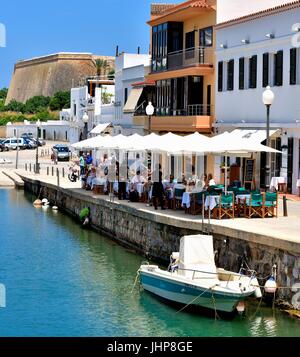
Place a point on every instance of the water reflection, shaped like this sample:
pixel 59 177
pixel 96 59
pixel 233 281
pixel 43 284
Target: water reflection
pixel 63 280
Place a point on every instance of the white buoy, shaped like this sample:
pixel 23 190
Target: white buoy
pixel 271 286
pixel 257 292
pixel 45 202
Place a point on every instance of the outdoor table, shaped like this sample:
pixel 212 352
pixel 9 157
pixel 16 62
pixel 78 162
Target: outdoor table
pixel 140 188
pixel 186 199
pixel 211 202
pixel 276 181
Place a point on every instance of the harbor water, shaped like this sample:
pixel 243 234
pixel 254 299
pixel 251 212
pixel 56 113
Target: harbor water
pixel 62 280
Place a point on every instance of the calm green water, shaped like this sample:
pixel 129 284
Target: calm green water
pixel 65 281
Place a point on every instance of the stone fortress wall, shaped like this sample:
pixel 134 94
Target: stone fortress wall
pixel 52 73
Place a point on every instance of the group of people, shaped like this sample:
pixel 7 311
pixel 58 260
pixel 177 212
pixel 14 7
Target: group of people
pixel 130 182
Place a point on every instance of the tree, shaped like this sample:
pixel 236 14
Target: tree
pixel 102 66
pixel 15 106
pixel 3 93
pixel 60 100
pixel 111 74
pixel 36 104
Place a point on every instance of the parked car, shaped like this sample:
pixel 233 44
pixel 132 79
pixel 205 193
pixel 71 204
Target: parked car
pixel 30 144
pixel 27 136
pixel 2 146
pixel 13 143
pixel 63 152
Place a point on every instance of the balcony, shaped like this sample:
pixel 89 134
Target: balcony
pixel 191 61
pixel 196 117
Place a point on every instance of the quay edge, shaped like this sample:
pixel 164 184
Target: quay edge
pixel 156 235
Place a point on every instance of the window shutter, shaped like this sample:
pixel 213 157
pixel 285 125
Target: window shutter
pixel 230 75
pixel 253 72
pixel 220 76
pixel 293 66
pixel 265 82
pixel 279 68
pixel 242 73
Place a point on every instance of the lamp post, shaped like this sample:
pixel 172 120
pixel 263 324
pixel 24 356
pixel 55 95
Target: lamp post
pixel 85 119
pixel 149 112
pixel 38 125
pixel 268 99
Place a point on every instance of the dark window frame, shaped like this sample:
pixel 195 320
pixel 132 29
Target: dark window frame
pixel 293 66
pixel 242 73
pixel 265 70
pixel 220 76
pixel 230 75
pixel 253 72
pixel 278 69
pixel 203 38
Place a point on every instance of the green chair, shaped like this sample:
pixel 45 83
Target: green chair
pixel 226 206
pixel 178 193
pixel 255 206
pixel 196 203
pixel 270 204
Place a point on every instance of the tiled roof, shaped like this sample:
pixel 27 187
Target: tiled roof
pixel 158 9
pixel 185 5
pixel 259 14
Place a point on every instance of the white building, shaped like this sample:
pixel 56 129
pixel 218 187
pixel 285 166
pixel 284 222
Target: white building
pixel 252 52
pixel 97 101
pixel 57 130
pixel 130 69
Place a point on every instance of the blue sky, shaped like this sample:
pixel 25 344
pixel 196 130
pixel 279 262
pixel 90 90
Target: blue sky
pixel 36 28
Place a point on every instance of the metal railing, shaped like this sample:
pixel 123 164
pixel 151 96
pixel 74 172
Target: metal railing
pixel 191 110
pixel 185 58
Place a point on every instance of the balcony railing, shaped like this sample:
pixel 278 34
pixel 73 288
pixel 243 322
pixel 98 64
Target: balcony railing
pixel 191 110
pixel 186 58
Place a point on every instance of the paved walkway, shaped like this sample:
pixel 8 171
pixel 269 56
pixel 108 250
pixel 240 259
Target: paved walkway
pixel 283 228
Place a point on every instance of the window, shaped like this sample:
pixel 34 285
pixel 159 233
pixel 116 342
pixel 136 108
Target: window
pixel 278 66
pixel 159 47
pixel 220 76
pixel 74 109
pixel 265 77
pixel 242 73
pixel 190 44
pixel 206 37
pixel 253 72
pixel 293 66
pixel 230 75
pixel 125 95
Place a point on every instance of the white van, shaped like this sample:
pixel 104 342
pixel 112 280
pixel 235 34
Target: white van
pixel 13 143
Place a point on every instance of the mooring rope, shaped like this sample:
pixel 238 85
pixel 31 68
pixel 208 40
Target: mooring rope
pixel 197 297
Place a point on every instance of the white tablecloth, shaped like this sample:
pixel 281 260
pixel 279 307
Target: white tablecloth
pixel 211 202
pixel 275 181
pixel 116 186
pixel 140 188
pixel 186 200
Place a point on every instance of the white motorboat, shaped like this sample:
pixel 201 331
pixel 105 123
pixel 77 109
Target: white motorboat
pixel 194 279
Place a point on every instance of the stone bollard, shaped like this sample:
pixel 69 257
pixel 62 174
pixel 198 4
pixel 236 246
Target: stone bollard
pixel 34 169
pixel 30 167
pixel 26 166
pixel 285 211
pixel 47 170
pixel 63 172
pixel 57 174
pixel 52 170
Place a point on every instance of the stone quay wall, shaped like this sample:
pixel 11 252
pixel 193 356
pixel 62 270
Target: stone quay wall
pixel 156 235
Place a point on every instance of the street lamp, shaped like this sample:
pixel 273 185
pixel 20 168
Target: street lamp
pixel 149 112
pixel 268 99
pixel 85 119
pixel 38 125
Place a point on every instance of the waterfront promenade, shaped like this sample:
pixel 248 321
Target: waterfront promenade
pixel 281 232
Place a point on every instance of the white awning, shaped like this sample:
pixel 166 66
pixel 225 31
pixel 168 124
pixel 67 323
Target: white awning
pixel 257 136
pixel 99 129
pixel 132 100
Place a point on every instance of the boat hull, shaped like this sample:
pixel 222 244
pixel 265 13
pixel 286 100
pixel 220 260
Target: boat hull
pixel 189 294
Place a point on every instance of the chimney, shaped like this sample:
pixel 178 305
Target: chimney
pixel 139 50
pixel 117 51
